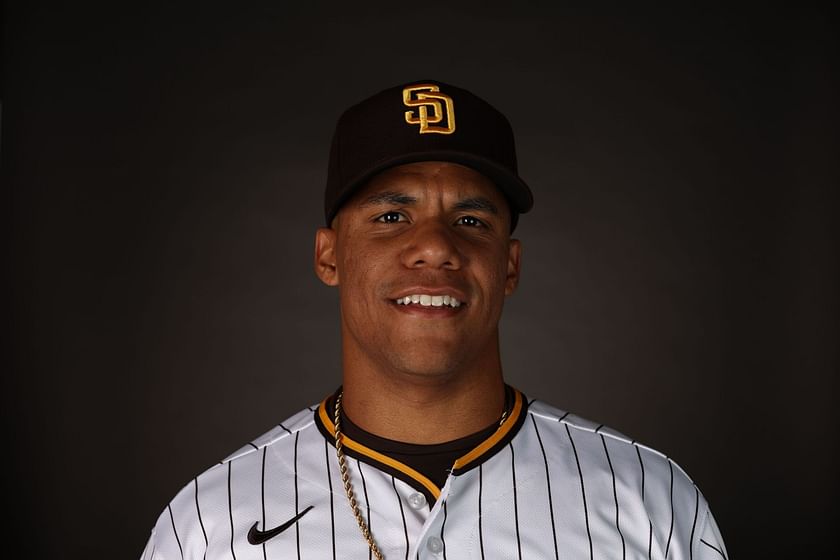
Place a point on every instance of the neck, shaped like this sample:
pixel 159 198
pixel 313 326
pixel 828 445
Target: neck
pixel 423 409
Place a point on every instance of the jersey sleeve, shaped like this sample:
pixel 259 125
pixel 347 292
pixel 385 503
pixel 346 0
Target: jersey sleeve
pixel 150 553
pixel 162 545
pixel 178 533
pixel 709 544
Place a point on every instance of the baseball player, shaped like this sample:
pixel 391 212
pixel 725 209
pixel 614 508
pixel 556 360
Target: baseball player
pixel 424 451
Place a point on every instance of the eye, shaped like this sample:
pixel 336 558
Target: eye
pixel 391 217
pixel 470 221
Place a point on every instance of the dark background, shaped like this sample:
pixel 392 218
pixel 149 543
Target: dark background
pixel 163 171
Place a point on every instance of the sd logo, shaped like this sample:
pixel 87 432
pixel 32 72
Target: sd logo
pixel 433 108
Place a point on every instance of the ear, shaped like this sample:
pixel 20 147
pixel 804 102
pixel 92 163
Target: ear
pixel 325 267
pixel 514 253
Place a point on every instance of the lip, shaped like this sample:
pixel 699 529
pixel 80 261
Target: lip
pixel 429 312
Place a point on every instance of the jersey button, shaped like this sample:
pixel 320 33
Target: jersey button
pixel 435 545
pixel 416 501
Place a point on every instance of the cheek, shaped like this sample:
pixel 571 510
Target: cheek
pixel 495 273
pixel 358 272
pixel 350 262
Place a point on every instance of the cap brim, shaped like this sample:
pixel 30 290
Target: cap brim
pixel 516 191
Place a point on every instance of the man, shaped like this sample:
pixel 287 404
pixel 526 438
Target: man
pixel 424 451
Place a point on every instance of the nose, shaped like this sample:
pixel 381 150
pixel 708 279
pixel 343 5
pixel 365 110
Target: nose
pixel 432 246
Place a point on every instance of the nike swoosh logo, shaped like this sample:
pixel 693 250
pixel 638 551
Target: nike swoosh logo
pixel 255 536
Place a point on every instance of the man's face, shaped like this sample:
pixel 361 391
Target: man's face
pixel 435 230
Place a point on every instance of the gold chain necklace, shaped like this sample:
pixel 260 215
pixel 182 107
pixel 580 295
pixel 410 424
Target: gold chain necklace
pixel 345 477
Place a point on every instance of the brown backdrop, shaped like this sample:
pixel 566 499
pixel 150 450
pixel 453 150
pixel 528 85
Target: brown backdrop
pixel 163 170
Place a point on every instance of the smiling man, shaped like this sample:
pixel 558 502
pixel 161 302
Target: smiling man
pixel 424 451
pixel 423 260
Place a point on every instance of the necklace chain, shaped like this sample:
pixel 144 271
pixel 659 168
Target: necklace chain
pixel 345 479
pixel 348 486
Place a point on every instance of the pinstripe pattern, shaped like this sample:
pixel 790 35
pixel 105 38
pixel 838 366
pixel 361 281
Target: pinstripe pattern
pixel 367 501
pixel 582 492
pixel 230 508
pixel 560 487
pixel 615 496
pixel 515 501
pixel 548 489
pixel 332 504
pixel 198 514
pixel 650 523
pixel 671 530
pixel 694 523
pixel 480 516
pixel 262 497
pixel 297 497
pixel 442 525
pixel 402 515
pixel 175 531
pixel 716 549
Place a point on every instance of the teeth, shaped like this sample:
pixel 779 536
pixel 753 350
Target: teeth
pixel 426 300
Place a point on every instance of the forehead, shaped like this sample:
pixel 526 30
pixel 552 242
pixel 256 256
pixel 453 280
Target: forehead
pixel 432 178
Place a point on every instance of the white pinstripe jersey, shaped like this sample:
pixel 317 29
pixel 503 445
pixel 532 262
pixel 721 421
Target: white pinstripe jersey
pixel 546 485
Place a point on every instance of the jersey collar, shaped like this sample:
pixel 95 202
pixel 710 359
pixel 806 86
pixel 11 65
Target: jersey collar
pixel 472 459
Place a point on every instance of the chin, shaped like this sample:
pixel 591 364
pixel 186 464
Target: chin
pixel 438 366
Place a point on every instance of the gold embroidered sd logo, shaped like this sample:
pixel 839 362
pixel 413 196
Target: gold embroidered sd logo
pixel 430 111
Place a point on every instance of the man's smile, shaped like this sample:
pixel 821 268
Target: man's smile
pixel 430 301
pixel 427 305
pixel 427 300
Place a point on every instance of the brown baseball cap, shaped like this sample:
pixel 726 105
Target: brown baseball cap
pixel 423 121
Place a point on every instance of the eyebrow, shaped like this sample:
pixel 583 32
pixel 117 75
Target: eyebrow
pixel 388 197
pixel 402 199
pixel 476 203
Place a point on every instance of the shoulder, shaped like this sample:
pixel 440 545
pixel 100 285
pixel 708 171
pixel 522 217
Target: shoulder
pixel 200 509
pixel 602 455
pixel 592 439
pixel 614 472
pixel 622 487
pixel 278 436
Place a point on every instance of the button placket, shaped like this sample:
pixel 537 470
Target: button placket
pixel 431 527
